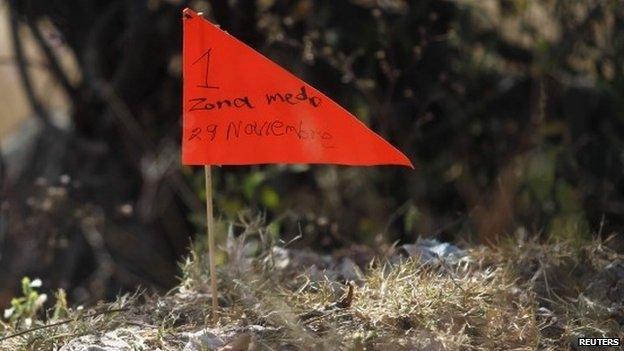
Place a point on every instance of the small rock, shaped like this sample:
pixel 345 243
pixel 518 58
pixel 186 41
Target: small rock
pixel 114 340
pixel 431 250
pixel 239 343
pixel 205 339
pixel 615 270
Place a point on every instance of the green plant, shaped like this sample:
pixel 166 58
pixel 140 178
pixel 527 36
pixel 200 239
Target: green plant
pixel 61 309
pixel 23 309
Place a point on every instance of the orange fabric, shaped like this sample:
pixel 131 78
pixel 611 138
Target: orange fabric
pixel 241 108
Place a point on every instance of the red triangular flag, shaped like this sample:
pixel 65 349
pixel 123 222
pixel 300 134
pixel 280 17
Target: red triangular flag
pixel 241 108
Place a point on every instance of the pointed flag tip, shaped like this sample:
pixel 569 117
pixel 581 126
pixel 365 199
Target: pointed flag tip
pixel 406 162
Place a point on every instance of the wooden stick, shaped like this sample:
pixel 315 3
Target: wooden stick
pixel 211 242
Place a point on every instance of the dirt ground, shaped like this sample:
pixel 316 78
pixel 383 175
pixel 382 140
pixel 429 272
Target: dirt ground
pixel 425 296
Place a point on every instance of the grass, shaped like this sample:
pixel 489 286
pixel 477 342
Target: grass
pixel 516 296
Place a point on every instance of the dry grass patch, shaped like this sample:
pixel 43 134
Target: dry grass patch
pixel 517 296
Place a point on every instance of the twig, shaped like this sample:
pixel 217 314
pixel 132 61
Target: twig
pixel 347 300
pixel 3 173
pixel 10 61
pixel 95 314
pixel 53 62
pixel 20 59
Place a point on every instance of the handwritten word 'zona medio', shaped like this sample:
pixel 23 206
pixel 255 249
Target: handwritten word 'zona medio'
pixel 244 102
pixel 276 128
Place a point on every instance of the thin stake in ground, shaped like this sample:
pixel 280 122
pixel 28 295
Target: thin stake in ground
pixel 211 242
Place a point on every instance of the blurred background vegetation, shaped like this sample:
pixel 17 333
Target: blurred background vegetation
pixel 512 110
